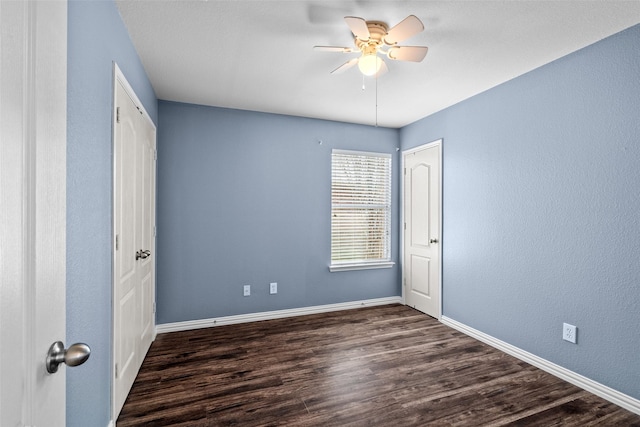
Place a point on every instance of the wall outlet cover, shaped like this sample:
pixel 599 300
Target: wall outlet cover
pixel 246 290
pixel 273 288
pixel 569 332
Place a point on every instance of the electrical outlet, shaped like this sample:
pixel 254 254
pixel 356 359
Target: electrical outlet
pixel 273 288
pixel 569 332
pixel 246 291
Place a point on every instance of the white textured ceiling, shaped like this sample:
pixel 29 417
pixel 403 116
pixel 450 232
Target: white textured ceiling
pixel 258 55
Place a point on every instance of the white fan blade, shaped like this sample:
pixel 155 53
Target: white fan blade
pixel 334 49
pixel 358 27
pixel 344 67
pixel 408 27
pixel 407 53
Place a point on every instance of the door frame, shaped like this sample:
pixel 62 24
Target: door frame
pixel 119 78
pixel 431 144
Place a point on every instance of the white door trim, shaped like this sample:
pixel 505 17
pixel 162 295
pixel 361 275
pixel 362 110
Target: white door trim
pixel 33 147
pixel 435 143
pixel 119 78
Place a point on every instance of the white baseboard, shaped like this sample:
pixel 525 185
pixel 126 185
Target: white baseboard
pixel 111 424
pixel 268 315
pixel 625 401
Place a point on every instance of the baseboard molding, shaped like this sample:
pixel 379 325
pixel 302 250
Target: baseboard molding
pixel 111 424
pixel 625 401
pixel 269 315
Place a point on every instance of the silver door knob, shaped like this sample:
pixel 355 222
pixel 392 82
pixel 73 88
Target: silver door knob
pixel 75 355
pixel 142 254
pixel 433 240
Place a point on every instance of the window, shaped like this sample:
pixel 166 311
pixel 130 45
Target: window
pixel 360 210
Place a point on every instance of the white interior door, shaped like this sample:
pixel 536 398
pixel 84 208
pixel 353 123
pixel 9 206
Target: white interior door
pixel 421 267
pixel 33 99
pixel 134 238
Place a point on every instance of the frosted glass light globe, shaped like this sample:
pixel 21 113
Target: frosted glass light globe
pixel 369 64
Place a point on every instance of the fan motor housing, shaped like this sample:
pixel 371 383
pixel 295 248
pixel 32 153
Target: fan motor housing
pixel 377 31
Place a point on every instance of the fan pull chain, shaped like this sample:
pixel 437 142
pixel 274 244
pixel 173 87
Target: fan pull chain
pixel 377 99
pixel 363 82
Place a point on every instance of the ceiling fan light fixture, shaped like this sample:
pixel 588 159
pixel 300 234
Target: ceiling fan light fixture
pixel 374 37
pixel 369 64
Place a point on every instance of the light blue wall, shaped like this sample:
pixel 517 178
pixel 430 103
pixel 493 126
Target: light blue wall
pixel 244 198
pixel 96 38
pixel 542 210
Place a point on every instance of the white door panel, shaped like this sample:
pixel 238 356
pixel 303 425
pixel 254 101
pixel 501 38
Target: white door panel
pixel 146 331
pixel 127 344
pixel 421 267
pixel 419 279
pixel 126 203
pixel 33 99
pixel 419 176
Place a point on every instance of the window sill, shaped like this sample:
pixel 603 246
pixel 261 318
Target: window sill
pixel 361 266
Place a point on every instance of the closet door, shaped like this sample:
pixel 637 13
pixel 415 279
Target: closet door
pixel 134 240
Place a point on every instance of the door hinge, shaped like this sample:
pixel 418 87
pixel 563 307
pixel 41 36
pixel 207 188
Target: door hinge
pixel 405 171
pixel 155 154
pixel 117 241
pixel 118 115
pixel 405 225
pixel 116 370
pixel 154 231
pixel 154 307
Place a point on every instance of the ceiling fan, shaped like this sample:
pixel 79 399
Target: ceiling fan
pixel 375 37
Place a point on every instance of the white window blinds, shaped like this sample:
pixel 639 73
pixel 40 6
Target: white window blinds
pixel 360 207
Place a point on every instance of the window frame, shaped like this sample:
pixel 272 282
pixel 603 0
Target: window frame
pixel 364 263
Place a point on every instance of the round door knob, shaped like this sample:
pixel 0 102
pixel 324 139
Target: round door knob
pixel 75 355
pixel 433 240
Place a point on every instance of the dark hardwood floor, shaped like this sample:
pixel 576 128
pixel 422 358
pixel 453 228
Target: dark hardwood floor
pixel 378 366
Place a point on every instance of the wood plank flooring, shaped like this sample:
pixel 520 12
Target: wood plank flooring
pixel 378 366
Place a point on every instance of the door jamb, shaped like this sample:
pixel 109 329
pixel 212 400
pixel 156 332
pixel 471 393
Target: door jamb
pixel 435 143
